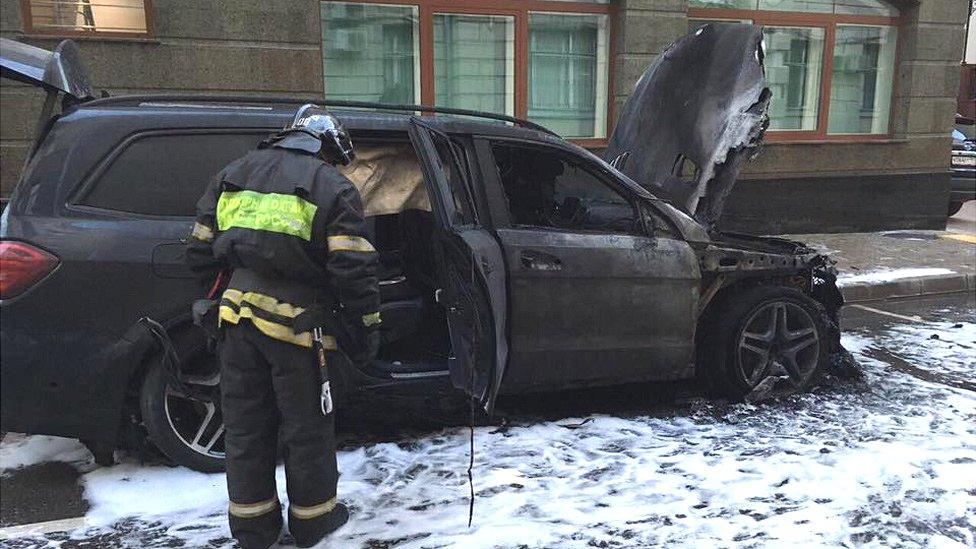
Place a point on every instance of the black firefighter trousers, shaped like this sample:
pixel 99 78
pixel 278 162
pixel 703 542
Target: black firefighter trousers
pixel 270 392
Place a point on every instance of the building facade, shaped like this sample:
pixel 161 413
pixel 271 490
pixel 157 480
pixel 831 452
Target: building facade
pixel 864 90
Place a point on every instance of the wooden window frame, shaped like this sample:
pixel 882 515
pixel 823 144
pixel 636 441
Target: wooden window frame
pixel 30 30
pixel 828 22
pixel 519 11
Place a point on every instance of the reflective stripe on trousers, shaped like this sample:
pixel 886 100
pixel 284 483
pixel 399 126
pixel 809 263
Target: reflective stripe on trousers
pixel 312 511
pixel 252 510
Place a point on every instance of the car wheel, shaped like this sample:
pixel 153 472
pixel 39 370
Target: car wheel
pixel 185 423
pixel 761 332
pixel 954 208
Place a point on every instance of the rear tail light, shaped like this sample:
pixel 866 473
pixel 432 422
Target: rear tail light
pixel 22 266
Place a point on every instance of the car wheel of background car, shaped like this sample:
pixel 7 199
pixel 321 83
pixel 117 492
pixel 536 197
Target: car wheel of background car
pixel 954 208
pixel 185 423
pixel 761 332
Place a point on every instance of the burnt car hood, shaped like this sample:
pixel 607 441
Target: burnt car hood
pixel 704 100
pixel 60 70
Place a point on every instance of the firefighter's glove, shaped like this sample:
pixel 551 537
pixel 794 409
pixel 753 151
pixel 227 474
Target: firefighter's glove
pixel 360 336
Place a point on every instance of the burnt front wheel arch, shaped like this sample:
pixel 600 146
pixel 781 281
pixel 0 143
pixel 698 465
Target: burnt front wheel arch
pixel 749 334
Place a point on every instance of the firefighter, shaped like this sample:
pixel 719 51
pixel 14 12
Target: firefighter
pixel 289 230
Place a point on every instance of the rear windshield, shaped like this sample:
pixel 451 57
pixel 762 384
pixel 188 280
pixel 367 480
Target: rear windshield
pixel 166 174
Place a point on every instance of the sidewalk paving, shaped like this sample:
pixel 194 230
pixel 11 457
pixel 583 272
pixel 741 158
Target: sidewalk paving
pixel 900 263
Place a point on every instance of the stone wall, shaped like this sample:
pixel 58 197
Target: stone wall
pixel 641 31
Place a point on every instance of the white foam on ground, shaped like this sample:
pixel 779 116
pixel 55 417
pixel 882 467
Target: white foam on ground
pixel 18 451
pixel 893 463
pixel 876 277
pixel 944 347
pixel 147 492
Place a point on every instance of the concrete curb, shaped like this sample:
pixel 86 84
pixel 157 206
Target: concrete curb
pixel 908 287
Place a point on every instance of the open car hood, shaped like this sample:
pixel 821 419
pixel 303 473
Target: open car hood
pixel 59 71
pixel 702 105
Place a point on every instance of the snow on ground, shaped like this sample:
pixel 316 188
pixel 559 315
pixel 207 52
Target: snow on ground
pixel 888 275
pixel 891 461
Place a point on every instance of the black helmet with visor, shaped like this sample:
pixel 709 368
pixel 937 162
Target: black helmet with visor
pixel 332 141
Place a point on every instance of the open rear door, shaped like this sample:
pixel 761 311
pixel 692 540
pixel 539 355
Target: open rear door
pixel 471 270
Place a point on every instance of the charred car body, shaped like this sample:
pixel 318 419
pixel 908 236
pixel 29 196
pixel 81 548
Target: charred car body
pixel 513 261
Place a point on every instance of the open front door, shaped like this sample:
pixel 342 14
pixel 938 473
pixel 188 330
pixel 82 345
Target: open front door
pixel 470 267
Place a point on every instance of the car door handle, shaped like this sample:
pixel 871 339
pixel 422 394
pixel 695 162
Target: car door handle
pixel 540 261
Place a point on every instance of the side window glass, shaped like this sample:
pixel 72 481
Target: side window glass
pixel 450 155
pixel 166 174
pixel 545 188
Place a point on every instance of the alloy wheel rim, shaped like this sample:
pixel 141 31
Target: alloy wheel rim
pixel 196 418
pixel 778 339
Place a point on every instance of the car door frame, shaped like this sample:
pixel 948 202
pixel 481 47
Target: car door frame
pixel 465 248
pixel 499 210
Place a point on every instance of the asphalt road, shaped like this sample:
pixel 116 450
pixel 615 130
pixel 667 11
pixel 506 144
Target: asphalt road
pixel 51 491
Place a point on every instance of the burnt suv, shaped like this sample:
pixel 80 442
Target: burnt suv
pixel 513 261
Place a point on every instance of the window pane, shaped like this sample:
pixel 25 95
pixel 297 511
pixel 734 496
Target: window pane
pixel 548 189
pixel 865 7
pixel 371 52
pixel 726 4
pixel 860 7
pixel 474 62
pixel 167 174
pixel 568 73
pixel 794 56
pixel 861 85
pixel 695 24
pixel 450 158
pixel 93 16
pixel 814 6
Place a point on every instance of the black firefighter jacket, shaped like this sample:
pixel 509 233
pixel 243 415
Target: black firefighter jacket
pixel 291 229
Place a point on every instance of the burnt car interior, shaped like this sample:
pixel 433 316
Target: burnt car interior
pixel 548 189
pixel 398 213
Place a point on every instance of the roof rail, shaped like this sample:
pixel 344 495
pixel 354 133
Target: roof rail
pixel 318 101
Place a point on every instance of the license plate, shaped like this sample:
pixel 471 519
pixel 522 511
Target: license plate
pixel 964 161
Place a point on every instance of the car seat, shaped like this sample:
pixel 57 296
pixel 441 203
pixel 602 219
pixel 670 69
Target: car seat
pixel 405 272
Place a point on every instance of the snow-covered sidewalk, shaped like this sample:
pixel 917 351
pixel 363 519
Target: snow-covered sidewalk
pixel 889 462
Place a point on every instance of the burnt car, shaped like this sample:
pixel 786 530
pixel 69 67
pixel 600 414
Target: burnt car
pixel 512 260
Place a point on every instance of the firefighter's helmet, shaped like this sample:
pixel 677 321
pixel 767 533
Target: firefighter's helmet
pixel 313 120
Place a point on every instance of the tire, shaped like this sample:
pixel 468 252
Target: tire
pixel 954 208
pixel 736 328
pixel 173 419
